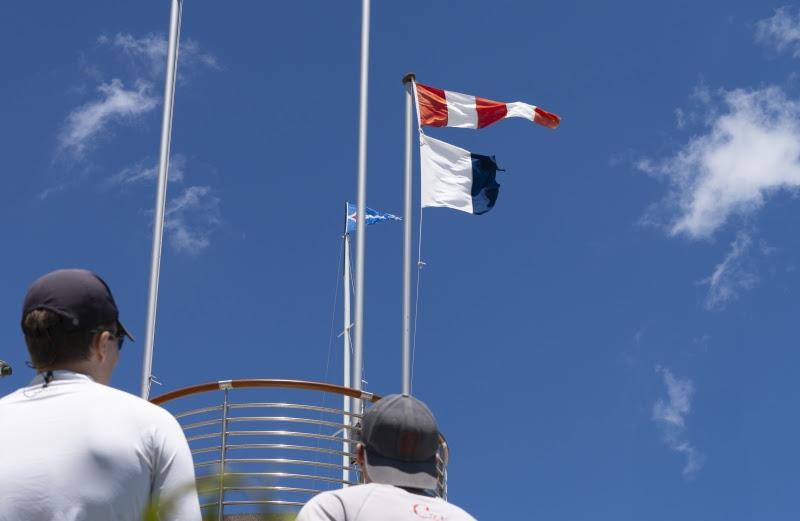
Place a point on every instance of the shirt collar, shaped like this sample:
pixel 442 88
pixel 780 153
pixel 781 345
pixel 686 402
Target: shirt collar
pixel 62 375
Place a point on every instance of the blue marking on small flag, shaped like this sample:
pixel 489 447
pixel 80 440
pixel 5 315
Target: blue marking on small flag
pixel 371 217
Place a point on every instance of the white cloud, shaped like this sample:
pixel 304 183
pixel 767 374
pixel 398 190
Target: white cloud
pixel 731 275
pixel 680 393
pixel 671 415
pixel 116 102
pixel 47 192
pixel 191 54
pixel 701 92
pixel 694 459
pixel 781 31
pixel 191 216
pixel 190 219
pixel 749 151
pixel 146 172
pixel 639 335
pixel 680 118
pixel 151 49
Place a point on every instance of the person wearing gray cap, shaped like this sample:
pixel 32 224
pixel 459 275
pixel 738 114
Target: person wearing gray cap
pixel 397 456
pixel 75 449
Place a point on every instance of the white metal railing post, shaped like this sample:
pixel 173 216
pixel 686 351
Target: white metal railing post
pixel 223 447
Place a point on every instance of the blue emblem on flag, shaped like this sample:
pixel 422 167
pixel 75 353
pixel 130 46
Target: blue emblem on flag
pixel 371 217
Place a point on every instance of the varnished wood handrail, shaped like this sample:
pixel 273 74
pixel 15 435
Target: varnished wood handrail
pixel 265 382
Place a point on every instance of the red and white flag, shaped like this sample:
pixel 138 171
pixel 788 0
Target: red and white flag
pixel 444 108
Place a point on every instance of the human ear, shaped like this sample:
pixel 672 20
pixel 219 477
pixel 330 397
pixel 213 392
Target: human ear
pixel 360 455
pixel 100 345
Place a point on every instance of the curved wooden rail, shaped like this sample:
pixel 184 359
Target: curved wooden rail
pixel 265 382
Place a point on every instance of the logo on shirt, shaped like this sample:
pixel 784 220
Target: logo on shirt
pixel 423 512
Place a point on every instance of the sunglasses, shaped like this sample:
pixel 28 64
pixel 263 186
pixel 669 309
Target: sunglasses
pixel 119 337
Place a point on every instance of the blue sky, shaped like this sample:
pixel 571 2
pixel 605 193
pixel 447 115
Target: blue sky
pixel 616 339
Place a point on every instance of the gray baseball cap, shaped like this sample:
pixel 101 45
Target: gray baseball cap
pixel 401 439
pixel 80 297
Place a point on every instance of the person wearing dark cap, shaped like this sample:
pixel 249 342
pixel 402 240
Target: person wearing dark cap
pixel 397 456
pixel 72 447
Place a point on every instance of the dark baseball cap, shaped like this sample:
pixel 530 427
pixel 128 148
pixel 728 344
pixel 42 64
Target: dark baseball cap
pixel 401 439
pixel 80 297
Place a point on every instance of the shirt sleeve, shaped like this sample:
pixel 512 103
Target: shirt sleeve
pixel 322 507
pixel 173 474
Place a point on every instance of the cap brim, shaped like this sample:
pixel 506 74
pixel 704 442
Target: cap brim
pixel 411 474
pixel 125 331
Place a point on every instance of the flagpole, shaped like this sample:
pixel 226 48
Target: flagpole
pixel 358 346
pixel 346 346
pixel 161 193
pixel 408 80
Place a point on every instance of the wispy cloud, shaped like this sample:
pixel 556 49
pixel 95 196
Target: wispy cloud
pixel 190 219
pixel 87 122
pixel 670 416
pixel 118 103
pixel 194 213
pixel 143 171
pixel 151 51
pixel 680 118
pixel 639 335
pixel 781 31
pixel 730 276
pixel 191 216
pixel 749 151
pixel 699 98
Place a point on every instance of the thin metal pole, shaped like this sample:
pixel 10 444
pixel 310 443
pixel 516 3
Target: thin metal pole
pixel 223 449
pixel 346 347
pixel 407 221
pixel 161 193
pixel 358 345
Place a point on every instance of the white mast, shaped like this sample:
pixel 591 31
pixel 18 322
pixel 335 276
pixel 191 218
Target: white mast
pixel 358 345
pixel 408 82
pixel 161 194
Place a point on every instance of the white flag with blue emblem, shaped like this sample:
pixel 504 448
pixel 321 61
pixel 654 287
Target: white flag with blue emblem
pixel 370 217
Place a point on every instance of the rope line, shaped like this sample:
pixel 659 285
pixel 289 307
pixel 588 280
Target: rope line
pixel 333 314
pixel 330 340
pixel 350 338
pixel 329 458
pixel 420 265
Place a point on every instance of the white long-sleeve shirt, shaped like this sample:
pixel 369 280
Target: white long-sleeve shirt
pixel 76 450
